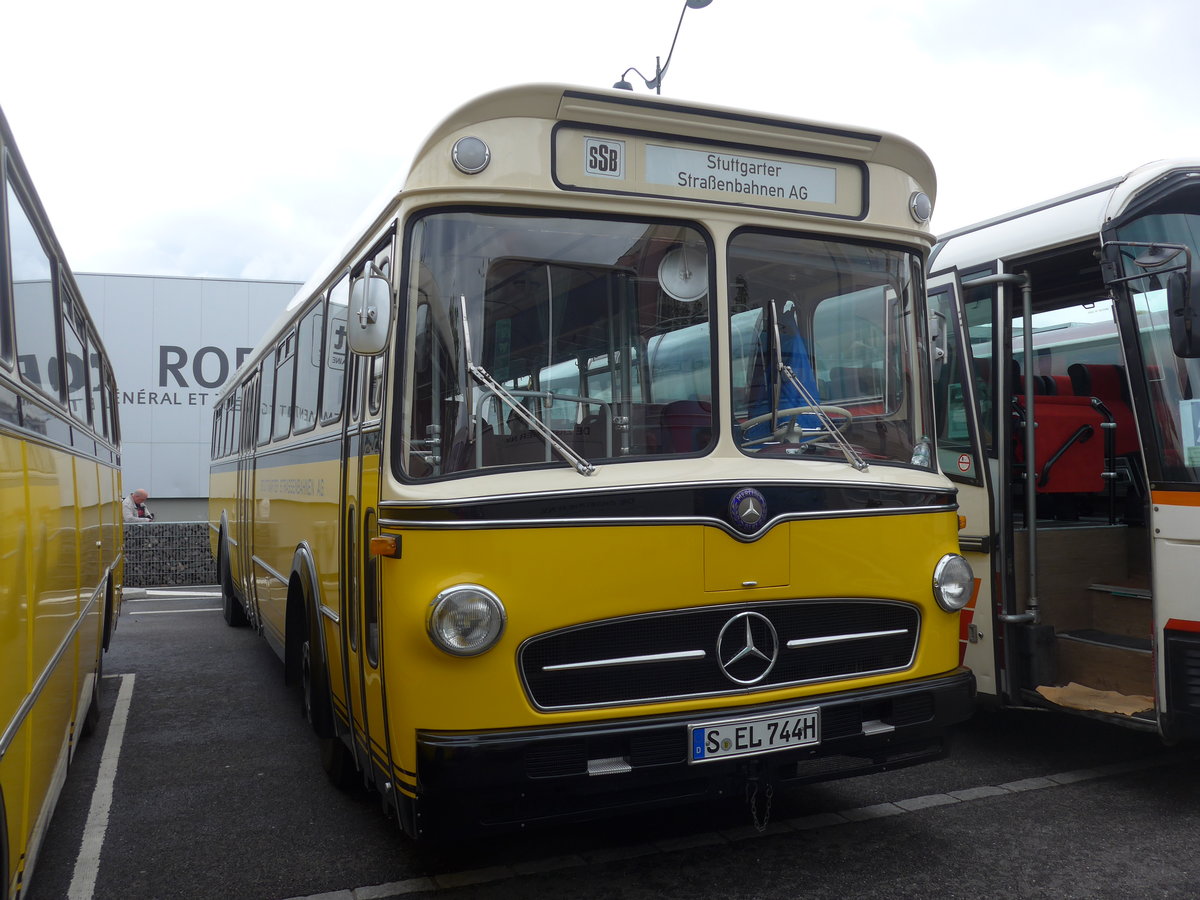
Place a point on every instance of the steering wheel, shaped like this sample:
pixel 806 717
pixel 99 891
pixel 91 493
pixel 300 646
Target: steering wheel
pixel 788 430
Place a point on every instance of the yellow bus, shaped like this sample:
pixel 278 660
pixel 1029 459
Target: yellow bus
pixel 60 535
pixel 1068 416
pixel 597 471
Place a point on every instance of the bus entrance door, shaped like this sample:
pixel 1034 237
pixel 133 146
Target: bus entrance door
pixel 360 607
pixel 966 454
pixel 243 552
pixel 350 553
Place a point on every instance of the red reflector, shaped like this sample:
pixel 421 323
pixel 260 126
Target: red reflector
pixel 1183 625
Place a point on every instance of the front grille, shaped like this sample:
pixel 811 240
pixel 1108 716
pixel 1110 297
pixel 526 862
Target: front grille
pixel 673 655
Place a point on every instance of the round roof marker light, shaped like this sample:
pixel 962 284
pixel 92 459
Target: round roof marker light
pixel 471 155
pixel 920 207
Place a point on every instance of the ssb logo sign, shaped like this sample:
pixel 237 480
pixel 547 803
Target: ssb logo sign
pixel 604 157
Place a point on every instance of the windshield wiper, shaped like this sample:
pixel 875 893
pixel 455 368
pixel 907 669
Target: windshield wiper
pixel 785 371
pixel 480 374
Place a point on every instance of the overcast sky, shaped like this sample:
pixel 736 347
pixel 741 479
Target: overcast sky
pixel 243 138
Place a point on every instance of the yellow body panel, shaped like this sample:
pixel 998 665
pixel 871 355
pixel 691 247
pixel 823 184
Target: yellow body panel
pixel 550 578
pixel 59 541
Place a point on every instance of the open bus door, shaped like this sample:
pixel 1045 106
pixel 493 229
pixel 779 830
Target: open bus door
pixel 1065 542
pixel 964 426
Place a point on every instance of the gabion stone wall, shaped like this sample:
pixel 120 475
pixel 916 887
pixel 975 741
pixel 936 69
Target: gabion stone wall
pixel 162 554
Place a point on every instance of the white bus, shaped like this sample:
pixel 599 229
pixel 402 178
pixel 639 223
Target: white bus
pixel 1080 315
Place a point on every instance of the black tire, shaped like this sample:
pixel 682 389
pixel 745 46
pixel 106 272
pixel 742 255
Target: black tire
pixel 92 720
pixel 231 607
pixel 337 763
pixel 317 707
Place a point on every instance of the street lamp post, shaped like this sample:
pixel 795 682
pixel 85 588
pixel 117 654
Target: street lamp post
pixel 660 71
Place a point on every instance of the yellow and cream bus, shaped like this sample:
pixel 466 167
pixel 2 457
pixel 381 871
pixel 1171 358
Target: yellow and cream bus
pixel 597 471
pixel 60 535
pixel 1080 315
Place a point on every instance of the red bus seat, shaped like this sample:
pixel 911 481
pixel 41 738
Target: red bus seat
pixel 1069 446
pixel 1106 382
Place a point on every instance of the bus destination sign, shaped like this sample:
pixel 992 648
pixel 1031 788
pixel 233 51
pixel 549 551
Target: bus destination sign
pixel 653 167
pixel 746 176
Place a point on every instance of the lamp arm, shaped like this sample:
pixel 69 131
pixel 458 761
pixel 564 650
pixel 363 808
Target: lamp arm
pixel 661 73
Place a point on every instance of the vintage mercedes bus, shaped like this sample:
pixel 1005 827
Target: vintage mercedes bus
pixel 597 471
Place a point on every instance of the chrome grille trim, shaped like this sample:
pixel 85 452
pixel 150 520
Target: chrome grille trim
pixel 627 660
pixel 839 638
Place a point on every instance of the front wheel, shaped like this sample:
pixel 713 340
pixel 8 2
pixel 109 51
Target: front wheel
pixel 337 762
pixel 92 720
pixel 231 607
pixel 318 710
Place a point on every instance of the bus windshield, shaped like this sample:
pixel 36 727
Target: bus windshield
pixel 599 330
pixel 1170 380
pixel 822 340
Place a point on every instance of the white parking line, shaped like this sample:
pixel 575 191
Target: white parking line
pixel 729 836
pixel 166 612
pixel 87 864
pixel 153 596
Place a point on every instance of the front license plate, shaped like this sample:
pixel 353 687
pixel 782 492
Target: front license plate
pixel 754 735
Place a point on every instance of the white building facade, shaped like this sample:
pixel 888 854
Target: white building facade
pixel 174 342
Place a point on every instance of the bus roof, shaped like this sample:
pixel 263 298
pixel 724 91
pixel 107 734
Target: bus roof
pixel 622 109
pixel 1058 222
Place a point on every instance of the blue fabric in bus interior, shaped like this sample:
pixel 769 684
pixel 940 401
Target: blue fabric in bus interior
pixel 795 354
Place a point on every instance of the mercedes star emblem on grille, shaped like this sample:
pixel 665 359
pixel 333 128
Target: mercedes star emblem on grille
pixel 748 510
pixel 747 648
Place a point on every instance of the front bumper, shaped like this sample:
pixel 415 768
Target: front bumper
pixel 469 781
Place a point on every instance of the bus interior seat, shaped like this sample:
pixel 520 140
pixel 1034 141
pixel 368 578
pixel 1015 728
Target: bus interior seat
pixel 686 426
pixel 523 446
pixel 1069 452
pixel 1106 382
pixel 1050 385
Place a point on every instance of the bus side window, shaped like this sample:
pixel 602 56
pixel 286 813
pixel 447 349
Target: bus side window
pixel 33 301
pixel 308 370
pixel 95 384
pixel 74 355
pixel 285 375
pixel 336 352
pixel 266 404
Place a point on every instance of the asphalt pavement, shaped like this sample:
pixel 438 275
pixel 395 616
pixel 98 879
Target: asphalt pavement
pixel 203 782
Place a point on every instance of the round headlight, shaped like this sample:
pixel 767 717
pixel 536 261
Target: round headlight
pixel 952 582
pixel 466 620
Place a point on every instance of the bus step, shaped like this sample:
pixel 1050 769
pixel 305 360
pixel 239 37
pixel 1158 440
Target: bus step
pixel 1106 639
pixel 1120 590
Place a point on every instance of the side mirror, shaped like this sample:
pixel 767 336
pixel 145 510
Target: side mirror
pixel 370 319
pixel 1183 312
